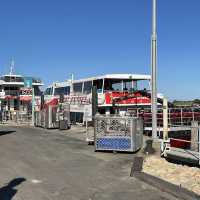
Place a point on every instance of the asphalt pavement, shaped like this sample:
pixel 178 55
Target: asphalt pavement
pixel 38 164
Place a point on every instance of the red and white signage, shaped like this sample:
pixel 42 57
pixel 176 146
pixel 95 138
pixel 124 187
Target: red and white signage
pixel 25 94
pixel 126 98
pixel 26 91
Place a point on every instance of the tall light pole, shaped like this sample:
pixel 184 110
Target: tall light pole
pixel 153 72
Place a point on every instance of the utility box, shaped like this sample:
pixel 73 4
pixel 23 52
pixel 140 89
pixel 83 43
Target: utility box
pixel 117 133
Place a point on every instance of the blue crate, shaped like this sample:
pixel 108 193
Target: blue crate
pixel 113 143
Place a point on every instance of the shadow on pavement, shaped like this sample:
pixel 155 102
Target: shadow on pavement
pixel 8 192
pixel 6 132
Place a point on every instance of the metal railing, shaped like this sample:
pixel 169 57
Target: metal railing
pixel 176 116
pixel 23 117
pixel 18 117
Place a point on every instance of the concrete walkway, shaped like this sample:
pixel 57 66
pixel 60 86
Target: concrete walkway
pixel 38 164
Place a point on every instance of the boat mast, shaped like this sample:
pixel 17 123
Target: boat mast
pixel 12 66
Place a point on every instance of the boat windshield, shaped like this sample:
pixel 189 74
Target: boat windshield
pixel 123 85
pixel 48 91
pixel 62 90
pixel 119 85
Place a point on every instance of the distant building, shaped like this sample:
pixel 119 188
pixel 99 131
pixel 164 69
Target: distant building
pixel 180 103
pixel 16 91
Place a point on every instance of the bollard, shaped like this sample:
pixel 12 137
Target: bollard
pixel 137 165
pixel 148 149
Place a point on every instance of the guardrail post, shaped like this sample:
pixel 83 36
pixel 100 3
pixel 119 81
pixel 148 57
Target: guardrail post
pixel 194 136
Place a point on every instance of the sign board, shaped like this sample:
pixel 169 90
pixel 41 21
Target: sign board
pixel 37 103
pixel 26 91
pixel 87 113
pixel 77 100
pixel 81 104
pixel 123 98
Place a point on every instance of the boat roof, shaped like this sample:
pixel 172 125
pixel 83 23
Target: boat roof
pixel 60 84
pixel 35 81
pixel 12 75
pixel 106 76
pixel 117 76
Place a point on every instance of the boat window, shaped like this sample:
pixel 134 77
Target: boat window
pixel 62 90
pixel 113 85
pixel 87 87
pixel 129 85
pixel 98 84
pixel 13 79
pixel 11 88
pixel 67 90
pixel 143 85
pixel 78 87
pixel 48 91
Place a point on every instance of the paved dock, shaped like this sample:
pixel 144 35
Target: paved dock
pixel 38 164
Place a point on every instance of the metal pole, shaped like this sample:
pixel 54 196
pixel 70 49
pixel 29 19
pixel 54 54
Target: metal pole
pixel 165 118
pixel 153 72
pixel 33 106
pixel 181 116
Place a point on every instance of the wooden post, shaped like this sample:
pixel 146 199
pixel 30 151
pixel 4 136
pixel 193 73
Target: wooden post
pixel 194 136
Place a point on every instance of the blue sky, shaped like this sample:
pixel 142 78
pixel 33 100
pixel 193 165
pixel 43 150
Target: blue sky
pixel 53 38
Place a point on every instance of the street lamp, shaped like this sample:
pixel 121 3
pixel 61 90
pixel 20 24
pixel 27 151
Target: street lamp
pixel 153 72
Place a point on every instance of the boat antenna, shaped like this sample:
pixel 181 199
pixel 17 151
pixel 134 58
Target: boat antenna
pixel 12 66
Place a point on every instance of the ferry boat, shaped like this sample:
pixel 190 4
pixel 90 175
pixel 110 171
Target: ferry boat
pixel 15 95
pixel 121 92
